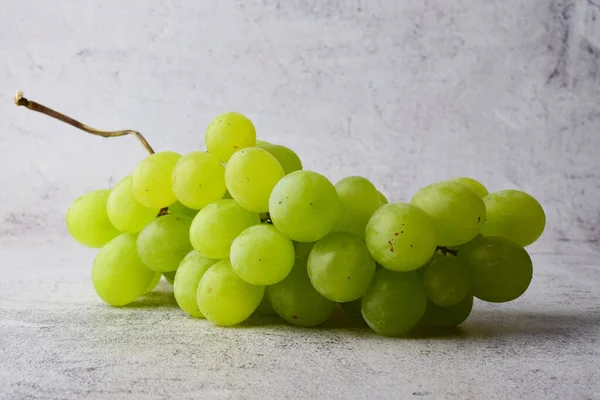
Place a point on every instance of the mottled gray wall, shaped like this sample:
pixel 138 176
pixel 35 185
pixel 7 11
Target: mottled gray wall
pixel 403 92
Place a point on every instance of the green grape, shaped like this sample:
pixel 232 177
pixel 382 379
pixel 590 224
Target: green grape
pixel 125 212
pixel 217 225
pixel 164 242
pixel 170 276
pixel 179 209
pixel 226 299
pixel 250 175
pixel 353 310
pixel 303 249
pixel 445 281
pixel 261 142
pixel 499 270
pixel 151 179
pixel 401 237
pixel 296 300
pixel 119 276
pixel 88 222
pixel 304 206
pixel 229 133
pixel 185 286
pixel 154 282
pixel 265 307
pixel 447 317
pixel 514 215
pixel 340 267
pixel 458 213
pixel 472 184
pixel 382 198
pixel 394 302
pixel 198 179
pixel 261 255
pixel 286 157
pixel 359 200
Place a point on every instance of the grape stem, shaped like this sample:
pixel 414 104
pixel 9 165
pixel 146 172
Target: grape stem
pixel 445 251
pixel 32 105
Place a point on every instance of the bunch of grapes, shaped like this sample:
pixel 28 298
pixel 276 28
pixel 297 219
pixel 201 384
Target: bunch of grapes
pixel 242 228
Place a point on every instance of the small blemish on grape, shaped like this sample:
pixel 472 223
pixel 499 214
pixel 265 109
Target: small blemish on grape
pixel 478 219
pixel 396 233
pixel 295 316
pixel 209 290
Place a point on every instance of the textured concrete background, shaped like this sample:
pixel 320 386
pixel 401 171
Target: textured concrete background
pixel 402 92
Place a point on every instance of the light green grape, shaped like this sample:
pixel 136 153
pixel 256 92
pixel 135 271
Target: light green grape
pixel 447 317
pixel 261 255
pixel 359 200
pixel 125 212
pixel 303 249
pixel 179 209
pixel 185 286
pixel 458 213
pixel 382 198
pixel 445 281
pixel 304 206
pixel 472 184
pixel 514 215
pixel 296 300
pixel 119 276
pixel 401 237
pixel 499 270
pixel 229 133
pixel 226 299
pixel 198 179
pixel 170 276
pixel 151 179
pixel 217 225
pixel 394 302
pixel 250 175
pixel 88 222
pixel 340 267
pixel 164 242
pixel 286 157
pixel 154 282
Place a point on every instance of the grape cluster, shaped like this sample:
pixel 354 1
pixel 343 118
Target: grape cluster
pixel 242 228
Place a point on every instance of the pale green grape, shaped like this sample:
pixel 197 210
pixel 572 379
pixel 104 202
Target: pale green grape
pixel 179 209
pixel 394 302
pixel 304 206
pixel 119 276
pixel 88 222
pixel 226 299
pixel 382 198
pixel 217 225
pixel 401 237
pixel 303 249
pixel 458 213
pixel 514 215
pixel 229 133
pixel 447 317
pixel 185 286
pixel 164 242
pixel 170 276
pixel 445 281
pixel 250 175
pixel 472 184
pixel 154 282
pixel 359 200
pixel 151 179
pixel 499 270
pixel 261 255
pixel 286 157
pixel 198 179
pixel 340 267
pixel 125 212
pixel 296 300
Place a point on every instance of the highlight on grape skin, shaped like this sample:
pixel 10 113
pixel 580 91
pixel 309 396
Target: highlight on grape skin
pixel 242 231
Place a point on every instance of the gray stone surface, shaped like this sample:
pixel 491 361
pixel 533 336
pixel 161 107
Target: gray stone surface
pixel 402 92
